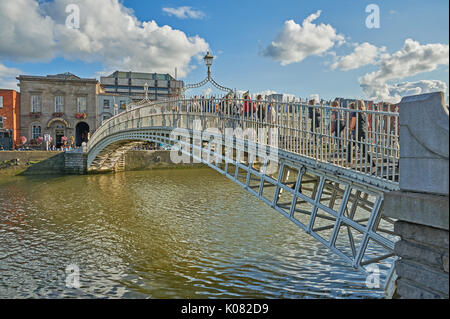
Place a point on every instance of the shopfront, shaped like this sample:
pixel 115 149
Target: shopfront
pixel 59 129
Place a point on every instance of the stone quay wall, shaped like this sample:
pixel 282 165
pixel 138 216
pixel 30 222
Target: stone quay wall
pixel 149 160
pixel 58 163
pixel 32 163
pixel 423 268
pixel 26 156
pixel 421 207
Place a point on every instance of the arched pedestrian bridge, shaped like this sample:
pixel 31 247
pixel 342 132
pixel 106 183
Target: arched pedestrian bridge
pixel 305 161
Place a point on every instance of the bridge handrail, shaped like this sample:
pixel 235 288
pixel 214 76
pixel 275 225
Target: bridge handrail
pixel 307 130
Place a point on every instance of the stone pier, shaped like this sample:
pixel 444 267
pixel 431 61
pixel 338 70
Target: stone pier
pixel 421 206
pixel 75 163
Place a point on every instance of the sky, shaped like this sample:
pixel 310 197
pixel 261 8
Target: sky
pixel 295 47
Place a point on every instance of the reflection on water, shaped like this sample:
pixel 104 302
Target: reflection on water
pixel 159 234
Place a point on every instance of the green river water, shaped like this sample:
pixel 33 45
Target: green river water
pixel 183 233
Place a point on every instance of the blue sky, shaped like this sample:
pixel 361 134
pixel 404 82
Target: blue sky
pixel 238 32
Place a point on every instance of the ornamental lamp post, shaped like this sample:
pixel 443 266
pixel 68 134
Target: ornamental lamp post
pixel 208 61
pixel 208 58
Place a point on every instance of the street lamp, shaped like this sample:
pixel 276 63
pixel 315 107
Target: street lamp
pixel 208 61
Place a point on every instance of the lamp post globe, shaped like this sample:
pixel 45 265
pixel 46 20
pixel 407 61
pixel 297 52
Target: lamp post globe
pixel 208 59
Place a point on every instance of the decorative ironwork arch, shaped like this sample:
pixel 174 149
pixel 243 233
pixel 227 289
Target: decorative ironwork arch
pixel 208 60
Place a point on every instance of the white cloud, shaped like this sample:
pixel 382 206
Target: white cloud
pixel 8 77
pixel 394 93
pixel 8 72
pixel 296 42
pixel 411 60
pixel 26 34
pixel 207 92
pixel 364 54
pixel 109 33
pixel 184 13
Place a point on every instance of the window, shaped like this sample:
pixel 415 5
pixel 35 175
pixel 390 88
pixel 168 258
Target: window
pixel 106 104
pixel 1 122
pixel 36 132
pixel 81 104
pixel 59 104
pixel 35 104
pixel 1 102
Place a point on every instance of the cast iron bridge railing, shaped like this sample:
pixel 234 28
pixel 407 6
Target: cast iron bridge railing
pixel 302 160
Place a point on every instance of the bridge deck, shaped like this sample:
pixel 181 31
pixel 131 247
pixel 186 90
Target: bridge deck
pixel 318 132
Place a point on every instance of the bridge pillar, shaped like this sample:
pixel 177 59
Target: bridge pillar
pixel 421 206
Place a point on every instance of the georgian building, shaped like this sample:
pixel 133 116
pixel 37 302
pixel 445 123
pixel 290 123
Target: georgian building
pixel 61 105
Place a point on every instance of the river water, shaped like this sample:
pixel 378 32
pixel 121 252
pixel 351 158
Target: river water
pixel 183 233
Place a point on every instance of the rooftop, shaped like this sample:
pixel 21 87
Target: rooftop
pixel 140 76
pixel 58 77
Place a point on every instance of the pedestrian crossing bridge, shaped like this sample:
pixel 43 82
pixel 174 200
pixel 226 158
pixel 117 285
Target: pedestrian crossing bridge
pixel 324 167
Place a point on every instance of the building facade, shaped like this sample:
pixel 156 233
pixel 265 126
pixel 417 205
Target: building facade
pixel 133 84
pixel 10 115
pixel 110 104
pixel 275 97
pixel 61 105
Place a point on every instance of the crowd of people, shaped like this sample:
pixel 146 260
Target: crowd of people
pixel 149 147
pixel 238 108
pixel 349 125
